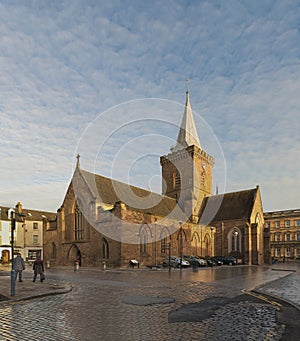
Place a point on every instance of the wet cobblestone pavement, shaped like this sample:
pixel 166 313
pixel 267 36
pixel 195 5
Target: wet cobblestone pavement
pixel 140 307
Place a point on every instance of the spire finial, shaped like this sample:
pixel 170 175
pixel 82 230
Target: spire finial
pixel 78 163
pixel 187 135
pixel 187 84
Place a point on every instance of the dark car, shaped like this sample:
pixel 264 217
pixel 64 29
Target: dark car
pixel 217 261
pixel 212 261
pixel 227 260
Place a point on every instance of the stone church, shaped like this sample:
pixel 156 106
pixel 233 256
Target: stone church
pixel 104 222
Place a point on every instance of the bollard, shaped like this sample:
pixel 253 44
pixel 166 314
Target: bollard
pixel 48 264
pixel 104 265
pixel 76 265
pixel 12 282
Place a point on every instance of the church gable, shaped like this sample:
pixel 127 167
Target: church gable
pixel 228 206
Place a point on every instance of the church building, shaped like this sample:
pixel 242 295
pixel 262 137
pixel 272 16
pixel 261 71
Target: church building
pixel 104 222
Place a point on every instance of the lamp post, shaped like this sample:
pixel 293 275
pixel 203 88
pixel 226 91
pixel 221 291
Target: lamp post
pixel 170 253
pixel 235 240
pixel 155 251
pixel 211 240
pixel 180 244
pixel 201 240
pixel 12 214
pixel 12 272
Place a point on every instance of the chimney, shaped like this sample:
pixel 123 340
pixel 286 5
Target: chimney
pixel 19 208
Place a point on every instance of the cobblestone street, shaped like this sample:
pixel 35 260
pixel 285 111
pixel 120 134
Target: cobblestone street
pixel 142 306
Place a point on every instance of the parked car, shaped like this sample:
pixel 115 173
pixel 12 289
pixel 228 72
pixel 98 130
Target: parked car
pixel 175 262
pixel 228 260
pixel 193 260
pixel 211 262
pixel 217 261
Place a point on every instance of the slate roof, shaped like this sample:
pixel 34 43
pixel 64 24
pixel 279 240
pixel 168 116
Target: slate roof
pixel 109 191
pixel 29 214
pixel 228 206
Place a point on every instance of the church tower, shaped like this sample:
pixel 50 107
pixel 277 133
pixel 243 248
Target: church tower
pixel 187 170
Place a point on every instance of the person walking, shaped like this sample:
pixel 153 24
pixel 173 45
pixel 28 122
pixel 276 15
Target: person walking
pixel 38 268
pixel 18 266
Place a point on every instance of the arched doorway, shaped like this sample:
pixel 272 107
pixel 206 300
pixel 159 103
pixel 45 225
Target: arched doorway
pixel 74 254
pixel 5 256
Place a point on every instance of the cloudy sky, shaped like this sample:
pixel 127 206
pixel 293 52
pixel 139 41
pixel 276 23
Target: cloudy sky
pixel 106 79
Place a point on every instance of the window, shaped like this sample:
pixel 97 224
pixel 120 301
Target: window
pixel 235 241
pixel 164 246
pixel 35 239
pixel 286 223
pixel 298 237
pixel 33 254
pixel 268 224
pixel 277 237
pixel 288 237
pixel 287 252
pixel 78 228
pixel 54 250
pixel 176 179
pixel 277 252
pixel 105 248
pixel 143 242
pixel 297 222
pixel 35 226
pixel 277 224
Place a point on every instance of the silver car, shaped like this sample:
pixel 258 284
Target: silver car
pixel 175 262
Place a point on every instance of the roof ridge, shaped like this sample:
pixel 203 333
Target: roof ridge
pixel 126 184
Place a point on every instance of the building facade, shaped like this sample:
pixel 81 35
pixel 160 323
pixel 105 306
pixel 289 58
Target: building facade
pixel 285 234
pixel 28 233
pixel 104 221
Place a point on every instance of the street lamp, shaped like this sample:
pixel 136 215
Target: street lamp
pixel 155 245
pixel 170 244
pixel 211 240
pixel 236 240
pixel 201 240
pixel 180 244
pixel 12 215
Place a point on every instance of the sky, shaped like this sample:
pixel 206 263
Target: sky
pixel 107 80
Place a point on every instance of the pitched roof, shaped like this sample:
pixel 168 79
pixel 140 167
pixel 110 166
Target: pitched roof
pixel 109 192
pixel 28 214
pixel 228 206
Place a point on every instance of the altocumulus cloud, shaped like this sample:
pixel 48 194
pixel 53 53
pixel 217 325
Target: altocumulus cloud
pixel 64 63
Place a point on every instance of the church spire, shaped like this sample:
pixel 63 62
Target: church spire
pixel 187 135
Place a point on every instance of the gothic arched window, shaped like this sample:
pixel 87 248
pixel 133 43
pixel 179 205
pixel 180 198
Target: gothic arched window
pixel 235 241
pixel 176 179
pixel 143 242
pixel 78 223
pixel 105 249
pixel 54 251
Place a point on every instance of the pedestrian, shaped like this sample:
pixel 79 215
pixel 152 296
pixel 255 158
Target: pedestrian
pixel 18 266
pixel 38 268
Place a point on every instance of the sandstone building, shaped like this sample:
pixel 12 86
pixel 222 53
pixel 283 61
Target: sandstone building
pixel 104 221
pixel 28 233
pixel 284 228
